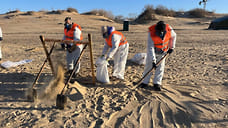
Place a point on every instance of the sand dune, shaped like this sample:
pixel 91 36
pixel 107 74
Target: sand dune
pixel 194 86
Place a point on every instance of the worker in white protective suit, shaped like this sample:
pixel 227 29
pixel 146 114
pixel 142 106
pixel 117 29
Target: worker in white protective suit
pixel 161 39
pixel 72 31
pixel 119 46
pixel 0 43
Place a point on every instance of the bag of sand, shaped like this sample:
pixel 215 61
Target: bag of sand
pixel 139 58
pixel 102 70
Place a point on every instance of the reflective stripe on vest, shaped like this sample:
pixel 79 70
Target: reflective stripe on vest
pixel 160 44
pixel 122 40
pixel 69 35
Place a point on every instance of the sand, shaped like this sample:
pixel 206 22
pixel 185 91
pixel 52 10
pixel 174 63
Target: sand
pixel 194 93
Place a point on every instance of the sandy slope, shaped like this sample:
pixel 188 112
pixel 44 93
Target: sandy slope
pixel 194 86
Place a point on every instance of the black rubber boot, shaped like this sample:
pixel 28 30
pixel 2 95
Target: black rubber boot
pixel 157 87
pixel 142 85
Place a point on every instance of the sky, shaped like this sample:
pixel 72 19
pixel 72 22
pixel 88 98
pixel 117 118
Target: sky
pixel 126 8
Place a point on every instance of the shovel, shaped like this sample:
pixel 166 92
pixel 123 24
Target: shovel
pixel 31 96
pixel 61 99
pixel 136 84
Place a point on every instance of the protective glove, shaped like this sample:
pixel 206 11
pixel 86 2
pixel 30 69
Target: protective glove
pixel 154 65
pixel 107 59
pixel 71 47
pixel 170 51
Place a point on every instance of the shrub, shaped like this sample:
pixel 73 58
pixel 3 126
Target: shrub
pixel 199 13
pixel 147 15
pixel 119 19
pixel 56 12
pixel 15 11
pixel 72 10
pixel 162 10
pixel 29 13
pixel 101 12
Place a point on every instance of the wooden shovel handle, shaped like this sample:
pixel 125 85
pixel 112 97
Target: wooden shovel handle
pixel 151 70
pixel 75 66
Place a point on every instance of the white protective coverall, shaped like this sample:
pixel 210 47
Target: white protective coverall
pixel 120 54
pixel 72 57
pixel 152 57
pixel 0 43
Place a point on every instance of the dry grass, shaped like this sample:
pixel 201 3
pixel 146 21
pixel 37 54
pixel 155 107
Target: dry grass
pixel 15 11
pixel 56 12
pixel 72 10
pixel 199 13
pixel 101 12
pixel 162 10
pixel 29 13
pixel 147 15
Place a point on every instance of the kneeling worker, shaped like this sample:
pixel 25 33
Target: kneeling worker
pixel 161 39
pixel 119 50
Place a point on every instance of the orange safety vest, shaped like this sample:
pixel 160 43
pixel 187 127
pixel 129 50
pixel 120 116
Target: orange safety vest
pixel 69 35
pixel 158 42
pixel 123 39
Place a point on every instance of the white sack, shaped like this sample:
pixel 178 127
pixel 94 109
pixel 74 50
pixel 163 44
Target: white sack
pixel 102 70
pixel 139 58
pixel 9 64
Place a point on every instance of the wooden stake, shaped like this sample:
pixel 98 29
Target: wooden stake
pixel 65 41
pixel 48 56
pixel 91 58
pixel 42 67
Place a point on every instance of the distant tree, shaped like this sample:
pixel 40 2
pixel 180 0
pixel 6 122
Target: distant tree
pixel 204 3
pixel 119 19
pixel 147 15
pixel 132 16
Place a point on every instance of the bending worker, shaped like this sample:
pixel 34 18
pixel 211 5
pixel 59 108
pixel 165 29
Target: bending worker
pixel 119 50
pixel 72 31
pixel 161 39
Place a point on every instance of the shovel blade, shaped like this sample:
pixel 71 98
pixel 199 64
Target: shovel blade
pixel 61 101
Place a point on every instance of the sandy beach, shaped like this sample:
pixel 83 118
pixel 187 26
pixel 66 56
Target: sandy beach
pixel 194 89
